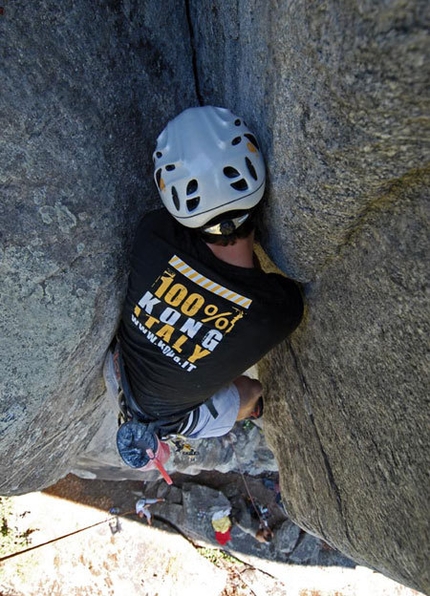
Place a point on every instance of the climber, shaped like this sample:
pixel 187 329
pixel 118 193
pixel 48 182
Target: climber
pixel 252 518
pixel 143 505
pixel 199 311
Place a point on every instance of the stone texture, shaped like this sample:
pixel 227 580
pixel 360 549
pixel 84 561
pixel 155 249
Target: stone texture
pixel 123 556
pixel 339 98
pixel 287 537
pixel 83 92
pixel 338 95
pixel 351 388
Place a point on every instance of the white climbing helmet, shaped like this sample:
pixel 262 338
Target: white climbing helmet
pixel 208 162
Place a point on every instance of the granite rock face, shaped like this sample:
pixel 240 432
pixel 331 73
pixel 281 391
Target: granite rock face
pixel 342 92
pixel 351 389
pixel 83 95
pixel 338 96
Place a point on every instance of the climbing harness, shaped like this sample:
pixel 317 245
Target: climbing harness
pixel 139 441
pixel 142 442
pixel 182 446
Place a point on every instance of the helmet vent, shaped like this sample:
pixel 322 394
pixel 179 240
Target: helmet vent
pixel 170 167
pixel 175 198
pixel 237 122
pixel 192 187
pixel 236 140
pixel 240 184
pixel 253 140
pixel 251 168
pixel 231 172
pixel 158 177
pixel 192 204
pixel 159 154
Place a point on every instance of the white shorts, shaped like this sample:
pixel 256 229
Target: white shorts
pixel 225 403
pixel 214 421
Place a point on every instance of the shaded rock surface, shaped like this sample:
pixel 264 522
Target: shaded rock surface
pixel 192 506
pixel 83 96
pixel 338 96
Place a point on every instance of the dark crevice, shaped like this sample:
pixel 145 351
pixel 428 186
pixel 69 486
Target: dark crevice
pixel 193 52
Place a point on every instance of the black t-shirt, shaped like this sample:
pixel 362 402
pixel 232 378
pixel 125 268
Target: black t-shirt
pixel 192 323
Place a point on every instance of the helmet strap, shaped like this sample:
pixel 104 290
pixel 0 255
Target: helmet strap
pixel 227 226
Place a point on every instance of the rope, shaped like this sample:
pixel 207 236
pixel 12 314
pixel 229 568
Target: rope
pixel 30 548
pixel 262 521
